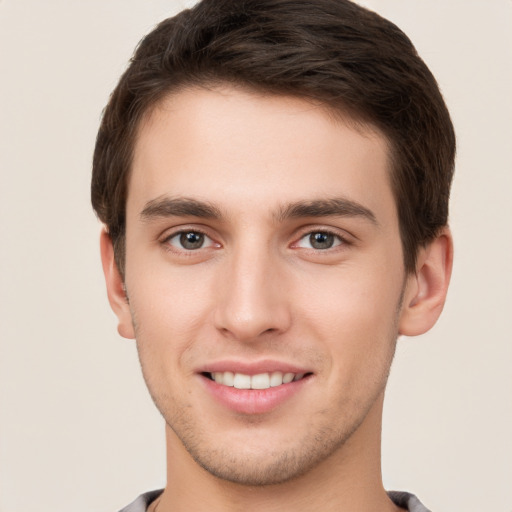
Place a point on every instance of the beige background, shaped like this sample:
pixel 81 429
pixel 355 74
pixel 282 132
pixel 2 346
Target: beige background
pixel 77 429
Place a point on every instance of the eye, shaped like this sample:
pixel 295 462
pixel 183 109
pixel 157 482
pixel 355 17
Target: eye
pixel 190 240
pixel 320 240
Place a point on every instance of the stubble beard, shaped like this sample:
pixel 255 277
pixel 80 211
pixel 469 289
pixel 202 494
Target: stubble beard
pixel 280 466
pixel 264 468
pixel 261 467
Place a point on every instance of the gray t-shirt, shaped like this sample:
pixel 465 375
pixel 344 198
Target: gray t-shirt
pixel 402 499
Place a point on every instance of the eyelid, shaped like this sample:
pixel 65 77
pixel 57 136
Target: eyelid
pixel 342 235
pixel 177 231
pixel 184 228
pixel 345 238
pixel 337 242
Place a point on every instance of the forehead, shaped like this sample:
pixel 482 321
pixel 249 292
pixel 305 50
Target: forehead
pixel 242 149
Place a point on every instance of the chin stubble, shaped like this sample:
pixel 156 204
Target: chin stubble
pixel 262 469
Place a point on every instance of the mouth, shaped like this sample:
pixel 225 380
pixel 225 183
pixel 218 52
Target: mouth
pixel 260 381
pixel 255 388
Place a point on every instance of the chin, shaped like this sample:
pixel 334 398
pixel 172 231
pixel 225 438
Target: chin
pixel 261 464
pixel 257 473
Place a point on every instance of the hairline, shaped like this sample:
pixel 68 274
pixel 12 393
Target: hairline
pixel 337 113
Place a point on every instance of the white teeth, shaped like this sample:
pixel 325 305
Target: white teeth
pixel 288 377
pixel 276 379
pixel 228 378
pixel 260 381
pixel 242 381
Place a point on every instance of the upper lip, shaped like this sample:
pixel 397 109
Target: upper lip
pixel 252 367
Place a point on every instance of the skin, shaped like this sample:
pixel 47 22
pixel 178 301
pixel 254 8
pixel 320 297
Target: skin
pixel 258 291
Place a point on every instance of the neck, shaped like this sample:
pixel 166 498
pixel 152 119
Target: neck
pixel 350 479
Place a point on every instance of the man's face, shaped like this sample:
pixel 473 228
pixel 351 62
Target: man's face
pixel 262 245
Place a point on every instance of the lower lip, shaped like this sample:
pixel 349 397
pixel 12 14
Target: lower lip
pixel 253 401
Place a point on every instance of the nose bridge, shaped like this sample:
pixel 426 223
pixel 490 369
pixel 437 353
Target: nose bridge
pixel 252 301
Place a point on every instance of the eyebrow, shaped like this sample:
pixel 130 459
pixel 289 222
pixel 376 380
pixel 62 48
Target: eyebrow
pixel 183 206
pixel 335 207
pixel 179 206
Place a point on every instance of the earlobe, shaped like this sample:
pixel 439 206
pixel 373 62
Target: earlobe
pixel 115 287
pixel 425 291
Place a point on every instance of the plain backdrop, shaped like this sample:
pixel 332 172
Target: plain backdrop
pixel 77 428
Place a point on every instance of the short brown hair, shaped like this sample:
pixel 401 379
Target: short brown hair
pixel 347 57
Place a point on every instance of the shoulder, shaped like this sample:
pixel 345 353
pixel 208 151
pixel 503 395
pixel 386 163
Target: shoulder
pixel 402 499
pixel 142 502
pixel 407 501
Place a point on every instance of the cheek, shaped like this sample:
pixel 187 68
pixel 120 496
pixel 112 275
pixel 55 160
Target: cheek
pixel 168 319
pixel 169 309
pixel 355 313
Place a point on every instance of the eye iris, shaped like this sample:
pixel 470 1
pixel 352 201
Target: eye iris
pixel 191 240
pixel 321 240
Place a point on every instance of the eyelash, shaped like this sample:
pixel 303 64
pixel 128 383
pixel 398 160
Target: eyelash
pixel 183 251
pixel 339 241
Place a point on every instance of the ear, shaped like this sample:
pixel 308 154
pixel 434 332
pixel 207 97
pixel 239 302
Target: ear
pixel 426 289
pixel 115 288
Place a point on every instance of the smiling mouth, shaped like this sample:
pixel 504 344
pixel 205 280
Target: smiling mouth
pixel 259 381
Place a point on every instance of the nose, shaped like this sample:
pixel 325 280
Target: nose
pixel 252 299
